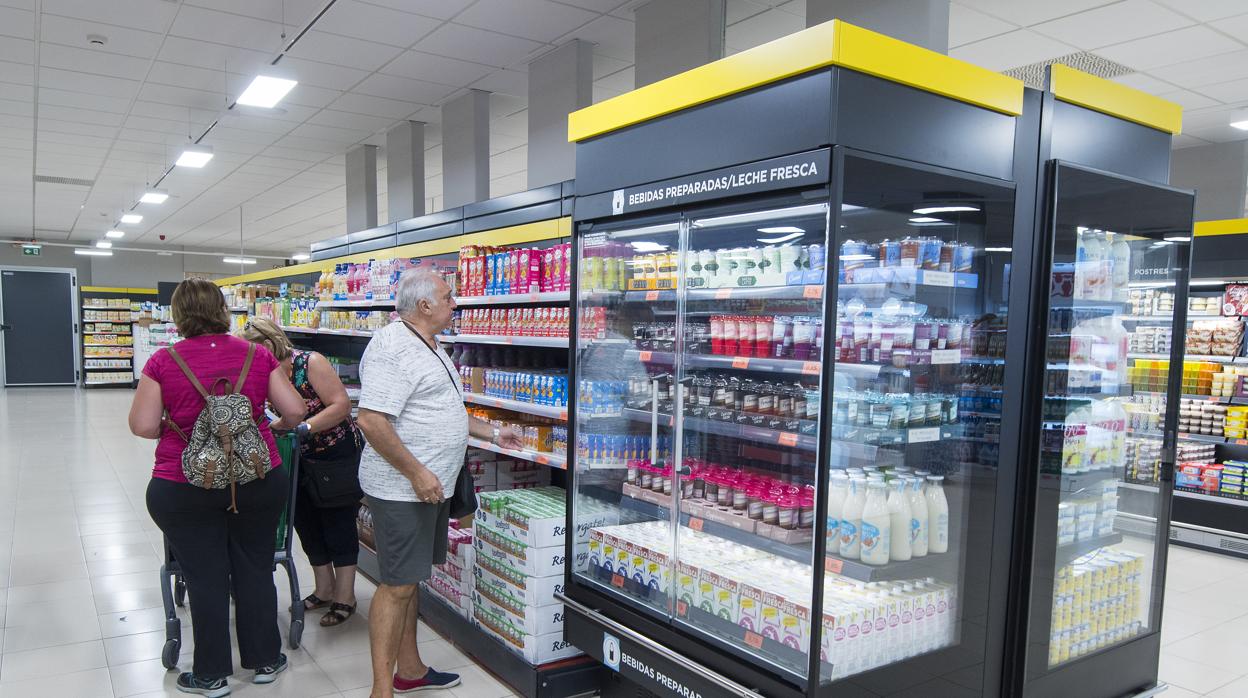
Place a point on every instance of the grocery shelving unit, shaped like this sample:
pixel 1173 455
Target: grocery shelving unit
pixel 108 323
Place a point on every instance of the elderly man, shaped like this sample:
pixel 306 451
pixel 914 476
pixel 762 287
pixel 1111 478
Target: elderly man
pixel 412 413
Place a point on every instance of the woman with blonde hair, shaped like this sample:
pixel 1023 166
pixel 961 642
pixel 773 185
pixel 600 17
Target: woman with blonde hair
pixel 328 498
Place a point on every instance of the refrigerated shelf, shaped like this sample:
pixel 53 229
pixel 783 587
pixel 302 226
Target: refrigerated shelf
pixel 1072 551
pixel 513 299
pixel 740 363
pixel 554 460
pixel 321 330
pixel 552 342
pixel 552 411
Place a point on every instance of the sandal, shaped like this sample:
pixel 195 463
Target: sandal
pixel 338 614
pixel 313 602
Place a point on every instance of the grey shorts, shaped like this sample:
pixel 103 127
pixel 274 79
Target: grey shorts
pixel 411 538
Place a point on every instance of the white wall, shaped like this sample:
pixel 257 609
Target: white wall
pixel 129 269
pixel 48 257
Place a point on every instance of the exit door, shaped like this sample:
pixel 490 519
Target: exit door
pixel 38 326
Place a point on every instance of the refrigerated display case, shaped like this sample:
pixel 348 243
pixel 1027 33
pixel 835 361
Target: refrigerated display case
pixel 794 455
pixel 1113 245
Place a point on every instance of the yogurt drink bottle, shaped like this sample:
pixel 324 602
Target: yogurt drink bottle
pixel 937 515
pixel 899 518
pixel 851 518
pixel 876 524
pixel 918 517
pixel 836 504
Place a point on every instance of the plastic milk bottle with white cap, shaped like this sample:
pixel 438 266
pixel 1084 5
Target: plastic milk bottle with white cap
pixel 937 515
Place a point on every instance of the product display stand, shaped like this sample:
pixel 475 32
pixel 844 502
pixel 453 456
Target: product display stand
pixel 108 315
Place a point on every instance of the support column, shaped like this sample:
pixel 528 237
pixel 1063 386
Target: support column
pixel 361 188
pixel 405 170
pixel 466 149
pixel 921 22
pixel 1219 174
pixel 560 82
pixel 673 36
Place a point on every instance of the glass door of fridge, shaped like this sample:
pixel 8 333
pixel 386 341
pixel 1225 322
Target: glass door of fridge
pixel 623 412
pixel 922 258
pixel 1115 324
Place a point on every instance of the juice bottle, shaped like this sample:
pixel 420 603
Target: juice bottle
pixel 851 518
pixel 899 518
pixel 876 524
pixel 918 517
pixel 937 515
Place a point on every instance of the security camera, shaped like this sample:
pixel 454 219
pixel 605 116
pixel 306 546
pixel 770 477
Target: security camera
pixel 162 238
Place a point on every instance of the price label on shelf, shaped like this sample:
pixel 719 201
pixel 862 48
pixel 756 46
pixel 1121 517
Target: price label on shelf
pixel 542 460
pixel 1241 442
pixel 682 609
pixel 741 362
pixel 617 581
pixel 695 523
pixel 810 368
pixel 753 639
pixel 946 356
pixel 645 356
pixel 652 295
pixel 722 293
pixel 918 436
pixel 563 414
pixel 812 292
pixel 787 438
pixel 833 564
pixel 938 278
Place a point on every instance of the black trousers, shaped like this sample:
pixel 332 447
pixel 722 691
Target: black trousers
pixel 329 535
pixel 223 554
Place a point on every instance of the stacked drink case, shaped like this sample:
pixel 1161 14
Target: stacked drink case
pixel 1096 603
pixel 864 624
pixel 492 271
pixel 612 266
pixel 864 262
pixel 452 580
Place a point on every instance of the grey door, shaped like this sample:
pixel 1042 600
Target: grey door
pixel 39 324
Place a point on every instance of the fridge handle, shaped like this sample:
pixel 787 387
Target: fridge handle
pixel 654 421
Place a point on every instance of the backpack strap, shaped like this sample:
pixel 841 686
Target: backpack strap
pixel 186 371
pixel 251 354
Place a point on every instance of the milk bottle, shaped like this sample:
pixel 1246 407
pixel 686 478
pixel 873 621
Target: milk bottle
pixel 899 519
pixel 918 517
pixel 937 515
pixel 851 518
pixel 836 504
pixel 1120 254
pixel 876 524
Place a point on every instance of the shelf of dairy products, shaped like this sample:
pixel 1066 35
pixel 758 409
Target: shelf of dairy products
pixel 1068 552
pixel 552 342
pixel 554 460
pixel 1072 483
pixel 554 412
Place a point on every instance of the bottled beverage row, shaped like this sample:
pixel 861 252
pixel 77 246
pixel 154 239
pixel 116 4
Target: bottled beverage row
pixel 782 406
pixel 1089 513
pixel 762 498
pixel 880 516
pixel 547 388
pixel 794 337
pixel 901 340
pixel 613 266
pixel 491 271
pixel 599 450
pixel 1092 437
pixel 513 322
pixel 374 280
pixel 867 408
pixel 868 262
pixel 1096 603
pixel 1101 270
pixel 468 355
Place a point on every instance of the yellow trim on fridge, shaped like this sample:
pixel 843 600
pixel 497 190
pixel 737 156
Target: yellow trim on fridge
pixel 830 43
pixel 1230 226
pixel 116 289
pixel 512 235
pixel 1115 99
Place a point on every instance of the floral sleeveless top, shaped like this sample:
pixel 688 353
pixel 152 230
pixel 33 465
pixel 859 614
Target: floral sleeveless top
pixel 323 440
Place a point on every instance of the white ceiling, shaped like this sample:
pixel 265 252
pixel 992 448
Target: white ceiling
pixel 116 114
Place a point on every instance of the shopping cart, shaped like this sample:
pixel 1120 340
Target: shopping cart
pixel 173 587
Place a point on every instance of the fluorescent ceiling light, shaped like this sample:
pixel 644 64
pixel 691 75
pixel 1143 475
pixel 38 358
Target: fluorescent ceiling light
pixel 300 256
pixel 155 196
pixel 1162 243
pixel 87 252
pixel 782 238
pixel 647 246
pixel 781 229
pixel 1206 282
pixel 850 207
pixel 1178 238
pixel 998 249
pixel 762 216
pixel 925 219
pixel 1241 125
pixel 238 260
pixel 115 234
pixel 194 156
pixel 131 218
pixel 103 244
pixel 944 209
pixel 265 91
pixel 32 246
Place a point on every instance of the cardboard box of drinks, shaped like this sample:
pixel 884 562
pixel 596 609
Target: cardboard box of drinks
pixel 534 620
pixel 536 649
pixel 531 591
pixel 535 562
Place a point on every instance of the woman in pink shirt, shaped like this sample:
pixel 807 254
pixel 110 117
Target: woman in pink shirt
pixel 220 552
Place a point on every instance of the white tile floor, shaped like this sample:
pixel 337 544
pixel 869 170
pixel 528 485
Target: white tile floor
pixel 80 601
pixel 80 605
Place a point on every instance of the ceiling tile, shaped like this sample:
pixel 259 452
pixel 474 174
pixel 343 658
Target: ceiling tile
pixel 212 56
pixel 296 13
pixel 17 23
pixel 73 32
pixel 605 65
pixel 1147 83
pixel 348 120
pixel 1113 24
pixel 377 106
pixel 311 96
pixel 1189 100
pixel 169 111
pixel 16 74
pixel 1173 47
pixel 91 84
pixel 207 79
pixel 1026 12
pixel 1204 71
pixel 622 81
pixel 477 45
pixel 138 14
pixel 179 96
pixel 1206 10
pixel 516 124
pixel 1231 91
pixel 967 25
pixel 737 10
pixel 1235 26
pixel 610 35
pixel 93 62
pixel 440 69
pixel 1011 50
pixel 761 28
pixel 392 86
pixel 17 50
pixel 507 82
pixel 86 116
pixel 344 50
pixel 374 23
pixel 599 5
pixel 441 9
pixel 503 105
pixel 539 20
pixel 229 29
pixel 334 77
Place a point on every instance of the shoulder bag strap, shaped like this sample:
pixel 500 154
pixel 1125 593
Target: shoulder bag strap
pixel 187 372
pixel 251 354
pixel 454 383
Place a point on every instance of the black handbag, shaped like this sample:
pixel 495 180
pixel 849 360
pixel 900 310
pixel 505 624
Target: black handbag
pixel 333 482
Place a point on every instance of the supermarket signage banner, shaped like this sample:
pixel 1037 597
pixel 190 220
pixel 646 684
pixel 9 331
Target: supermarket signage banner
pixel 641 666
pixel 801 170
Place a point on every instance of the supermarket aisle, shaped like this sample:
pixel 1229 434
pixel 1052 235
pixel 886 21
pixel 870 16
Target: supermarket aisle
pixel 79 591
